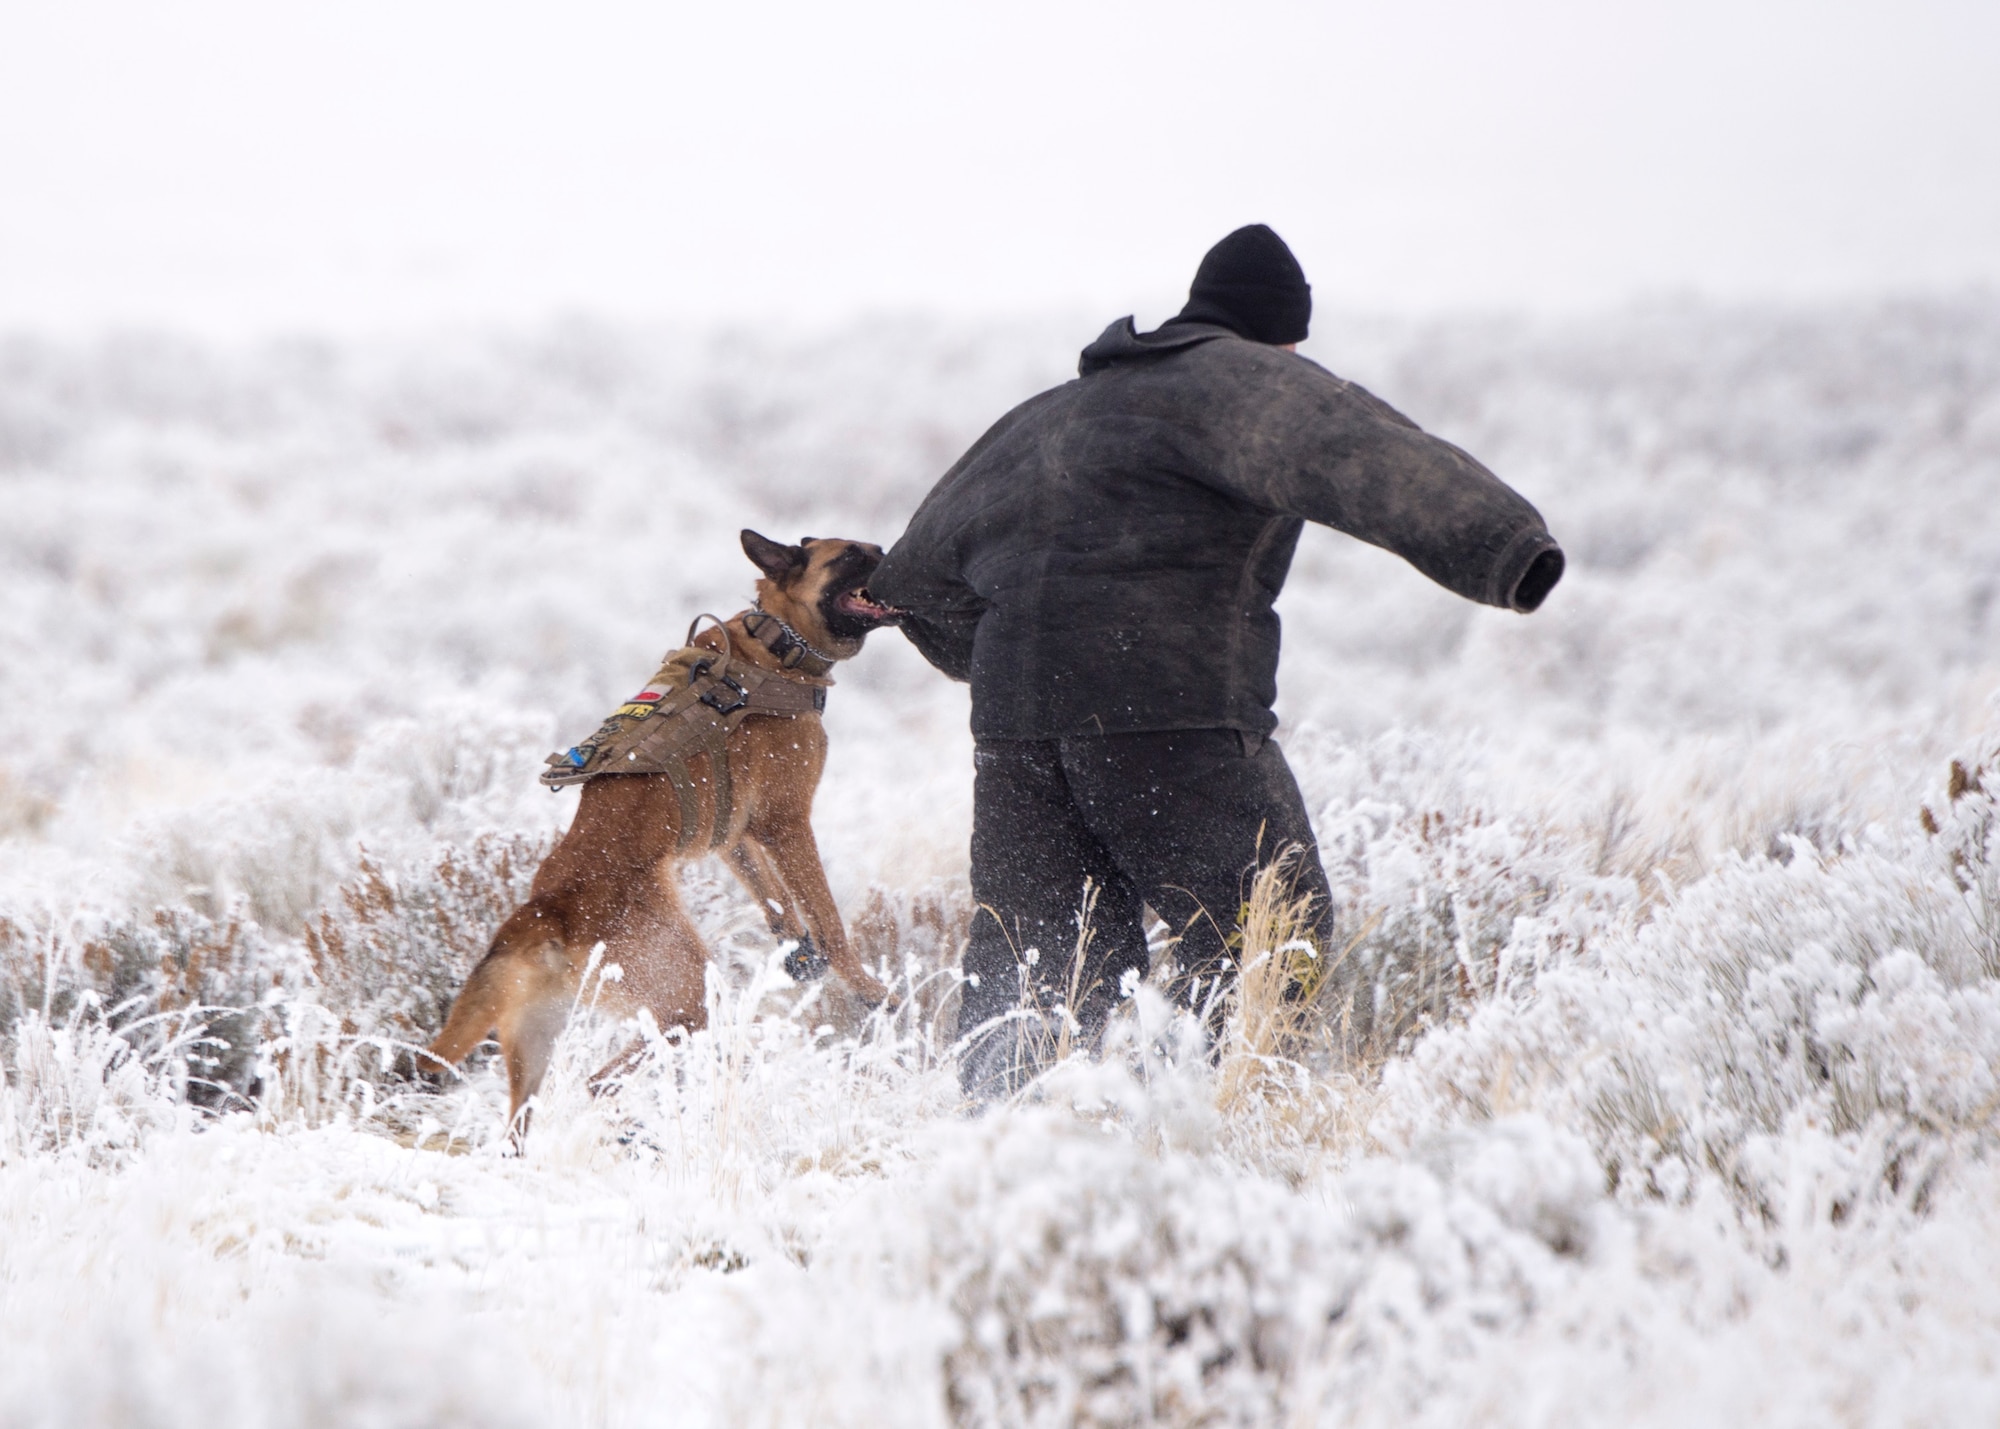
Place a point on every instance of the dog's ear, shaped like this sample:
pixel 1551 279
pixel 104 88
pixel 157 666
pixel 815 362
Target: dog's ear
pixel 774 559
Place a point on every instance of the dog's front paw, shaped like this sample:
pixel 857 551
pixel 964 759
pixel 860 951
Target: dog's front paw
pixel 805 962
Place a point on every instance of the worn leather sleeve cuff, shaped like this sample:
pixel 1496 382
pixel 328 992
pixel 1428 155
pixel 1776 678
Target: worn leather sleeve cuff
pixel 1527 570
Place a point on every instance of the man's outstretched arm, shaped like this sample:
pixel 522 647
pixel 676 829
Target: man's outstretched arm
pixel 1328 451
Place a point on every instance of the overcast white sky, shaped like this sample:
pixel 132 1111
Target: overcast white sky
pixel 243 166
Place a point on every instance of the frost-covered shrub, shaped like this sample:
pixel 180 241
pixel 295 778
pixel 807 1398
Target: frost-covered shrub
pixel 388 957
pixel 1849 993
pixel 278 851
pixel 1095 1282
pixel 1967 840
pixel 1098 1285
pixel 81 1087
pixel 179 981
pixel 1428 886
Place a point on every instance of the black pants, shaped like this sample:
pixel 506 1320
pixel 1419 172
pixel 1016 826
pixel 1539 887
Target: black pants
pixel 1179 820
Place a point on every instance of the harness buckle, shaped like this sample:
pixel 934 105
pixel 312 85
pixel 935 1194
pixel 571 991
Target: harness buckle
pixel 712 696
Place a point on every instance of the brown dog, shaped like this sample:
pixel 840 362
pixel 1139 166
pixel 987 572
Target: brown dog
pixel 613 879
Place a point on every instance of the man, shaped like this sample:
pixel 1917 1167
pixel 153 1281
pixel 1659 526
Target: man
pixel 1102 565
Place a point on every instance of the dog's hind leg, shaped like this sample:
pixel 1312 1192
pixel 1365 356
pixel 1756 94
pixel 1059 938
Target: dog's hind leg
pixel 662 964
pixel 528 1031
pixel 522 988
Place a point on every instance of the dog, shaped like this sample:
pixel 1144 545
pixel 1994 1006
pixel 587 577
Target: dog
pixel 613 877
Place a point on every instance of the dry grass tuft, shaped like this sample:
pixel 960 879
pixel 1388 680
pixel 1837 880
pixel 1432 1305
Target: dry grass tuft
pixel 1289 1082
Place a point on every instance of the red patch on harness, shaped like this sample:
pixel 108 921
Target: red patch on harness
pixel 645 697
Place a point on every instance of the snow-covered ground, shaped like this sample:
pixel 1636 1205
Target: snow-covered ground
pixel 1686 937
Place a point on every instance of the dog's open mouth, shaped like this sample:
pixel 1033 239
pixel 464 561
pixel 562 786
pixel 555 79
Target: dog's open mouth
pixel 859 604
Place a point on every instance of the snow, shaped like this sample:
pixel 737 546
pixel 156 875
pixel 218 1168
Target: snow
pixel 1684 933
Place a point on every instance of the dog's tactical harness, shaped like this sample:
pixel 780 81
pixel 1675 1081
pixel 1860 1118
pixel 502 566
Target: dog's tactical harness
pixel 690 707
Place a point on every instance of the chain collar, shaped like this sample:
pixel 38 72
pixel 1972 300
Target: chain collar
pixel 793 650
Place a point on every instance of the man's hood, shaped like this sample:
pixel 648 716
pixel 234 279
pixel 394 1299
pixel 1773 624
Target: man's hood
pixel 1122 341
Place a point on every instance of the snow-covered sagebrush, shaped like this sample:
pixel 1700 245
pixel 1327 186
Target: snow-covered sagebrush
pixel 1677 909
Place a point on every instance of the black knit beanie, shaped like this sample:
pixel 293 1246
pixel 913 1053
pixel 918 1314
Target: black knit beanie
pixel 1251 284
